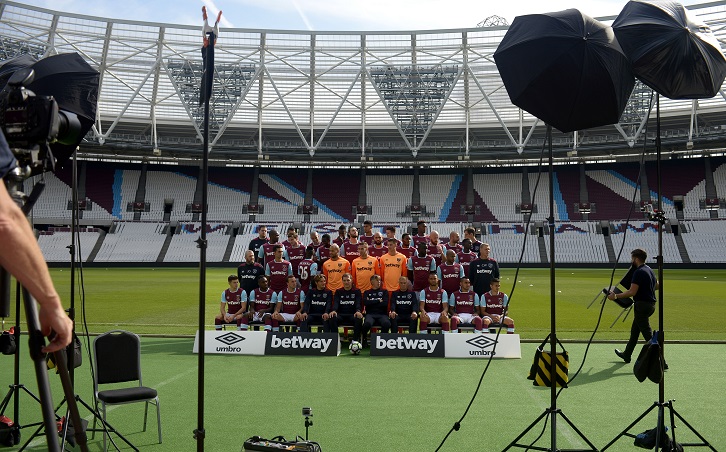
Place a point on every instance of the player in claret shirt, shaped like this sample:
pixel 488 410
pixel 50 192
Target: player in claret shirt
pixel 454 243
pixel 262 304
pixel 450 273
pixel 466 256
pixel 318 303
pixel 307 269
pixel 295 252
pixel 278 270
pixel 404 307
pixel 434 248
pixel 405 247
pixel 322 253
pixel 434 306
pixel 492 307
pixel 346 309
pixel 266 252
pixel 288 305
pixel 378 248
pixel 420 266
pixel 349 249
pixel 375 305
pixel 464 308
pixel 234 300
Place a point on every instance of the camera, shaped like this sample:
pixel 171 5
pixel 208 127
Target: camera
pixel 31 123
pixel 307 411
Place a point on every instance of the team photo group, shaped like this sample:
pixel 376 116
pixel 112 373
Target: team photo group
pixel 364 280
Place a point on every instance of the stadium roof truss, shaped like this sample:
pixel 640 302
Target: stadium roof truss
pixel 399 97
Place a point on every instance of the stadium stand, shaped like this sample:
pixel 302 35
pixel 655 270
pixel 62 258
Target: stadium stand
pixel 506 241
pixel 327 191
pixel 380 188
pixel 55 241
pixel 125 184
pixel 161 185
pixel 578 242
pixel 568 184
pixel 500 193
pixel 644 235
pixel 133 242
pixel 438 192
pixel 705 240
pixel 183 248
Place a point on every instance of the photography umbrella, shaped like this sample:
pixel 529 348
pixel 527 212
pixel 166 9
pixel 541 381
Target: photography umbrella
pixel 568 70
pixel 71 81
pixel 565 68
pixel 671 52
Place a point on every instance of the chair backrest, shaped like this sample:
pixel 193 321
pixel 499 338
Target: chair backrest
pixel 118 357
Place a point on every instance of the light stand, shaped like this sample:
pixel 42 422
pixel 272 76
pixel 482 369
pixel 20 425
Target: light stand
pixel 552 412
pixel 661 404
pixel 308 413
pixel 207 78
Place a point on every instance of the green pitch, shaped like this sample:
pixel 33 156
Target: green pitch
pixel 166 301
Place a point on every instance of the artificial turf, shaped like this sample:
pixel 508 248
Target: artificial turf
pixel 362 403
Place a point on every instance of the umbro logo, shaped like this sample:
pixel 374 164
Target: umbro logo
pixel 481 341
pixel 230 338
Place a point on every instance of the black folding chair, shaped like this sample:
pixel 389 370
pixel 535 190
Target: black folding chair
pixel 118 360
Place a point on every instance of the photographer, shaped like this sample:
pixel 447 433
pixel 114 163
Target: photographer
pixel 21 256
pixel 642 290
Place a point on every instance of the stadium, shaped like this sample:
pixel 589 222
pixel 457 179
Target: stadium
pixel 313 130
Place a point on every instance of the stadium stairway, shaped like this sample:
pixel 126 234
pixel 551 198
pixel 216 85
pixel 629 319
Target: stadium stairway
pixel 543 248
pixel 97 246
pixel 233 230
pixel 682 250
pixel 609 248
pixel 169 236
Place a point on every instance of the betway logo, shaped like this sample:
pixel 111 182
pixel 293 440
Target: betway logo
pixel 404 343
pixel 300 342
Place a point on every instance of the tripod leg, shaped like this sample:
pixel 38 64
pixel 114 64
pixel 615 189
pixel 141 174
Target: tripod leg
pixel 531 426
pixel 580 434
pixel 35 343
pixel 632 424
pixel 690 427
pixel 79 432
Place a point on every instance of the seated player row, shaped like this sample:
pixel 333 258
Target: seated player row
pixel 390 266
pixel 373 307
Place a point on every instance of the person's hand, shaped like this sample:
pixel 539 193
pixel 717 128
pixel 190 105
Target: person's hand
pixel 611 295
pixel 57 320
pixel 358 315
pixel 326 316
pixel 414 316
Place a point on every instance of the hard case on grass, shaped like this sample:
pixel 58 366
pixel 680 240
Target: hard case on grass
pixel 540 370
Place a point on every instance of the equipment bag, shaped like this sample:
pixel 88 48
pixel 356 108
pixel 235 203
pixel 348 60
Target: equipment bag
pixel 9 432
pixel 540 370
pixel 7 342
pixel 77 355
pixel 649 363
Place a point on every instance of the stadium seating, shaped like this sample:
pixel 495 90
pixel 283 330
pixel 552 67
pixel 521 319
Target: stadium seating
pixel 183 247
pixel 501 193
pixel 705 241
pixel 55 241
pixel 133 242
pixel 380 189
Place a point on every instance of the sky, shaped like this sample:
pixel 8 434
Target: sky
pixel 330 15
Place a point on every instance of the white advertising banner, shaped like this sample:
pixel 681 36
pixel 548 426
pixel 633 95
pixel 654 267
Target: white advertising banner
pixel 462 345
pixel 232 342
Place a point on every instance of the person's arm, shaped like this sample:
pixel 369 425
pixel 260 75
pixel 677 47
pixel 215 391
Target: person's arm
pixel 452 304
pixel 422 302
pixel 21 256
pixel 627 294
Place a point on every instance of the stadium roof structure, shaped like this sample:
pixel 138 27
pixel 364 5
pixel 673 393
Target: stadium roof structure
pixel 351 98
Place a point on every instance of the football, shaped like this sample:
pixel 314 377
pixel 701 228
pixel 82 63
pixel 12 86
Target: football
pixel 355 347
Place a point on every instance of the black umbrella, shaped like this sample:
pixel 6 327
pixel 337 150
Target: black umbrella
pixel 71 81
pixel 566 69
pixel 670 52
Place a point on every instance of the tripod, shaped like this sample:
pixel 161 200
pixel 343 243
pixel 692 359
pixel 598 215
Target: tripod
pixel 662 405
pixel 36 340
pixel 552 411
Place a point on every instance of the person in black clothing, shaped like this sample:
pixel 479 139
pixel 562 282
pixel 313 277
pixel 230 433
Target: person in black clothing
pixel 258 241
pixel 404 307
pixel 346 308
pixel 483 270
pixel 318 303
pixel 248 272
pixel 642 291
pixel 375 305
